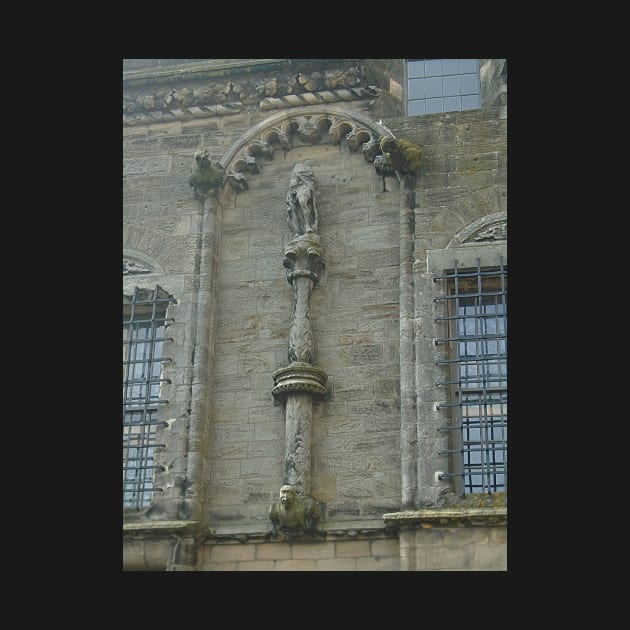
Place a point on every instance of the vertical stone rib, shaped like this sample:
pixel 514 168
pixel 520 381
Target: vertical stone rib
pixel 297 467
pixel 301 331
pixel 408 423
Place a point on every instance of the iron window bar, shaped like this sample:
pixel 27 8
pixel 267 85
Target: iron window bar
pixel 144 322
pixel 479 424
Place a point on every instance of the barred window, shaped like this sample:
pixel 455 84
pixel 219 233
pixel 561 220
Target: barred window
pixel 476 354
pixel 144 322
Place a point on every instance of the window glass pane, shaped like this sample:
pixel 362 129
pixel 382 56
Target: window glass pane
pixel 469 66
pixel 434 87
pixel 416 88
pixel 417 108
pixel 451 86
pixel 433 67
pixel 452 104
pixel 469 84
pixel 434 105
pixel 450 66
pixel 471 102
pixel 415 69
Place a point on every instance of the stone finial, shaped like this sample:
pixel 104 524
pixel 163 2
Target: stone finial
pixel 301 204
pixel 294 513
pixel 205 175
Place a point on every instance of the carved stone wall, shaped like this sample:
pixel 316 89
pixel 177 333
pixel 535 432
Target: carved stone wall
pixel 222 258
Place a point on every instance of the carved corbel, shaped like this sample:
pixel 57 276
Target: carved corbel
pixel 295 513
pixel 260 147
pixel 279 135
pixel 339 129
pixel 307 131
pixel 246 163
pixel 357 137
pixel 371 149
pixel 237 181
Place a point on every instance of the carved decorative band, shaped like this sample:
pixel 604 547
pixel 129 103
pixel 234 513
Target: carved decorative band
pixel 317 98
pixel 229 109
pixel 299 377
pixel 302 273
pixel 189 113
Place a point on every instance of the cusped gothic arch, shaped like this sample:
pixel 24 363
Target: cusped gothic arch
pixel 304 125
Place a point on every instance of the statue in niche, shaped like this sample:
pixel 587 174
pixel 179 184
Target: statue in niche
pixel 294 513
pixel 301 206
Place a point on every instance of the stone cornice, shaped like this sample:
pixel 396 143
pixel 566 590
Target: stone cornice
pixel 198 70
pixel 193 91
pixel 447 517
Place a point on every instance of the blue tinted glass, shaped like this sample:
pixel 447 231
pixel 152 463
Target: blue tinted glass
pixel 452 104
pixel 433 87
pixel 450 66
pixel 451 86
pixel 470 84
pixel 468 65
pixel 415 69
pixel 434 105
pixel 417 108
pixel 433 67
pixel 471 102
pixel 416 88
pixel 449 78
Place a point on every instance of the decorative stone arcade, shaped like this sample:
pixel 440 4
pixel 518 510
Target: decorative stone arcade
pixel 296 512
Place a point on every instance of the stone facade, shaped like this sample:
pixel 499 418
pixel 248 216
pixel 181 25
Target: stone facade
pixel 221 251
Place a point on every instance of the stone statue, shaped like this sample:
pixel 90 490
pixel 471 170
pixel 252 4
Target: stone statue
pixel 294 513
pixel 301 206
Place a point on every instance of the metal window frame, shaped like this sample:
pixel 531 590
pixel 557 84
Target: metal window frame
pixel 492 469
pixel 145 309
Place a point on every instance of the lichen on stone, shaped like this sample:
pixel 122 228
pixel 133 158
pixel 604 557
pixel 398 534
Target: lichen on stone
pixel 404 155
pixel 206 175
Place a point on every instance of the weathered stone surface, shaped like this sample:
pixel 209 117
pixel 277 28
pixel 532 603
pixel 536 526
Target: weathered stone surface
pixel 372 316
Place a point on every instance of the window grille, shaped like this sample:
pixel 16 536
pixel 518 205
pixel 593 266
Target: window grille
pixel 144 323
pixel 476 355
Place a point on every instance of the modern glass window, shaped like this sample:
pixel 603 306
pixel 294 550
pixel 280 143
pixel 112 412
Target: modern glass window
pixel 476 314
pixel 144 323
pixel 442 85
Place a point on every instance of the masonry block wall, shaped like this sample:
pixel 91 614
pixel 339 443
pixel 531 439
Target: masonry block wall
pixel 222 261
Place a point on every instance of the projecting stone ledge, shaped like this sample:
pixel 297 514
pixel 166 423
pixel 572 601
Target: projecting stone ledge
pixel 451 517
pixel 160 527
pixel 299 377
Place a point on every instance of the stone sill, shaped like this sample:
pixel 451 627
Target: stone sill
pixel 335 530
pixel 448 517
pixel 150 528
